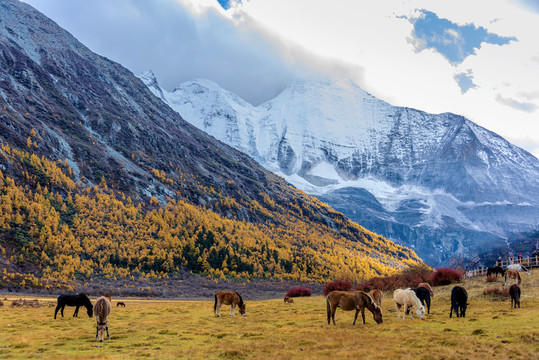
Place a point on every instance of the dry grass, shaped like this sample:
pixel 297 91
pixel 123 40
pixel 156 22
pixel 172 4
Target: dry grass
pixel 273 329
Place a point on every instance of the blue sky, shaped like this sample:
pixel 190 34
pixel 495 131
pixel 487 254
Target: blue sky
pixel 453 41
pixel 224 3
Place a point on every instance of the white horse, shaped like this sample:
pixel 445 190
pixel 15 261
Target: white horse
pixel 407 298
pixel 518 267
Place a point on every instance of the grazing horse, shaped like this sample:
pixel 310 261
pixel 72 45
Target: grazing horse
pixel 102 310
pixel 377 296
pixel 459 301
pixel 423 294
pixel 73 300
pixel 518 267
pixel 288 300
pixel 120 303
pixel 352 300
pixel 495 270
pixel 407 298
pixel 231 298
pixel 512 274
pixel 514 291
pixel 426 285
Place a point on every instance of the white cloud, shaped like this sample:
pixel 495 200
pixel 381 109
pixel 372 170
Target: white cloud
pixel 257 46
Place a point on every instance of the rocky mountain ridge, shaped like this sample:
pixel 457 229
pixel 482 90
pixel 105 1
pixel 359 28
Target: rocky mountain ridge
pixel 426 181
pixel 65 109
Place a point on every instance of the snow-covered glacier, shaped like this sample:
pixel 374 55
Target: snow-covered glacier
pixel 437 183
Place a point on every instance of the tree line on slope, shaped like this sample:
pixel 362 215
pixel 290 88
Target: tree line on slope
pixel 57 231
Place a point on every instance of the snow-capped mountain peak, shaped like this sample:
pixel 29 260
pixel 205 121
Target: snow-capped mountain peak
pixel 424 172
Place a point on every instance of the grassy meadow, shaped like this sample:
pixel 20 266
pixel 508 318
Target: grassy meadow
pixel 272 329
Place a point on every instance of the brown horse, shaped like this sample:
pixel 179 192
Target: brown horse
pixel 102 310
pixel 120 303
pixel 512 274
pixel 427 286
pixel 231 298
pixel 352 300
pixel 377 296
pixel 514 291
pixel 288 300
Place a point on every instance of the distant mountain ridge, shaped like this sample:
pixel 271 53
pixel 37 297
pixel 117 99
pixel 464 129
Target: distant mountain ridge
pixel 90 156
pixel 440 184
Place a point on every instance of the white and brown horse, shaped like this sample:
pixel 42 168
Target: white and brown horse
pixel 518 267
pixel 512 274
pixel 231 298
pixel 352 300
pixel 101 311
pixel 377 296
pixel 407 298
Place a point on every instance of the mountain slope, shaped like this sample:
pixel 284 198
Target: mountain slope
pixel 67 110
pixel 424 180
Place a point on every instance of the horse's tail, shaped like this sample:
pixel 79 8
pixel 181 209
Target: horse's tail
pixel 215 304
pixel 328 307
pixel 518 277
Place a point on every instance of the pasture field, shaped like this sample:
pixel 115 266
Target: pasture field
pixel 162 329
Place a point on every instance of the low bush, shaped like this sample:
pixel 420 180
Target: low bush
pixel 298 292
pixel 445 276
pixel 341 285
pixel 410 278
pixel 496 293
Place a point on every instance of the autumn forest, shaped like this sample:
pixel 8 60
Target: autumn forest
pixel 56 231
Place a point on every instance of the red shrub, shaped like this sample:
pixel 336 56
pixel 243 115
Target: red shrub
pixel 407 279
pixel 298 292
pixel 496 293
pixel 341 285
pixel 445 276
pixel 365 286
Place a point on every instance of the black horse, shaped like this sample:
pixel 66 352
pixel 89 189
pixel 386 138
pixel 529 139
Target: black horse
pixel 459 301
pixel 514 291
pixel 74 300
pixel 495 270
pixel 423 294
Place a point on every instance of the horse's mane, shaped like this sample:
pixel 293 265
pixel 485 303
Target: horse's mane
pixel 87 302
pixel 101 305
pixel 370 301
pixel 413 298
pixel 241 300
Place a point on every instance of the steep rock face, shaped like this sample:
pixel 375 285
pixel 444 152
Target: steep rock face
pixel 437 181
pixel 61 101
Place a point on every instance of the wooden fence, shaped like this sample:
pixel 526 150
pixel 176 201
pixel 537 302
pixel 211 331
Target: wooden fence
pixel 529 262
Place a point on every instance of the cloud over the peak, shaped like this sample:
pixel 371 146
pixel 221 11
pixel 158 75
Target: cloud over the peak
pixel 181 40
pixel 478 59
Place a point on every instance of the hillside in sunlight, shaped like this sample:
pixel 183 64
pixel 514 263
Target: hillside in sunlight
pixel 100 177
pixel 54 232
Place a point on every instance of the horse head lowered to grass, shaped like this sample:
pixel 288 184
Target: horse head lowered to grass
pixel 352 300
pixel 231 298
pixel 495 270
pixel 102 310
pixel 77 300
pixel 406 298
pixel 518 267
